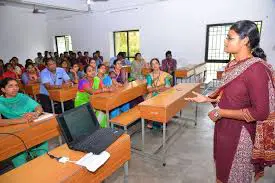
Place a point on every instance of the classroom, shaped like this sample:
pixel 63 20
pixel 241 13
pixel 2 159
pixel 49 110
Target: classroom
pixel 137 91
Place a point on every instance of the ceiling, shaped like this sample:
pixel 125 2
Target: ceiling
pixel 81 5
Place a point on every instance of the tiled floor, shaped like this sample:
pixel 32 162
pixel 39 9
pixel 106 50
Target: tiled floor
pixel 189 158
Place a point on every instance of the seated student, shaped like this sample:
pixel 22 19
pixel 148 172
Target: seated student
pixel 97 59
pixel 137 66
pixel 31 75
pixel 121 57
pixel 92 63
pixel 65 65
pixel 157 82
pixel 169 65
pixel 74 74
pixel 104 79
pixel 99 56
pixel 88 86
pixel 9 72
pixel 17 108
pixel 119 78
pixel 124 60
pixel 39 59
pixel 18 68
pixel 53 77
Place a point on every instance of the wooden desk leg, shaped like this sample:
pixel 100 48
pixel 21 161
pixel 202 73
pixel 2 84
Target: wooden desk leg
pixel 142 134
pixel 108 118
pixel 163 143
pixel 62 107
pixel 52 107
pixel 125 129
pixel 196 114
pixel 126 172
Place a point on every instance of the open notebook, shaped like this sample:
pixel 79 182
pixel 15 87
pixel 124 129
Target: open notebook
pixel 44 116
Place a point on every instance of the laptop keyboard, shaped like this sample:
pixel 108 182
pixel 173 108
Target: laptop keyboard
pixel 98 141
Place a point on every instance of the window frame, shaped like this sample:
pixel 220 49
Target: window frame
pixel 208 26
pixel 55 38
pixel 128 48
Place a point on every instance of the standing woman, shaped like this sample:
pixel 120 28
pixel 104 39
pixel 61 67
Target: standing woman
pixel 246 96
pixel 17 108
pixel 157 82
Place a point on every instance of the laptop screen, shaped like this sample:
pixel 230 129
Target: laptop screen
pixel 78 122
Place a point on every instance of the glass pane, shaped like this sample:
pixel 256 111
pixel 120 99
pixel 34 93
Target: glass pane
pixel 61 45
pixel 68 40
pixel 120 42
pixel 134 43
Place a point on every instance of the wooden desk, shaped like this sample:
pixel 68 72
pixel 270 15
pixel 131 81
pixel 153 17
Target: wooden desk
pixel 199 70
pixel 146 71
pixel 62 95
pixel 32 89
pixel 109 101
pixel 44 169
pixel 189 71
pixel 32 134
pixel 164 106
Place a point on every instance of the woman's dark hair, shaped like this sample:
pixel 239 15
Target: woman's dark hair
pixel 2 61
pixel 6 66
pixel 168 53
pixel 28 64
pixel 85 68
pixel 100 65
pixel 137 55
pixel 28 61
pixel 115 61
pixel 153 60
pixel 247 28
pixel 90 59
pixel 5 82
pixel 49 60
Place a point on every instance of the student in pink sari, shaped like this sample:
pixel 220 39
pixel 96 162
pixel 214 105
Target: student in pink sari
pixel 244 102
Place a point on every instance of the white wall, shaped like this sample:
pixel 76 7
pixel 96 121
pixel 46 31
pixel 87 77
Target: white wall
pixel 22 33
pixel 175 24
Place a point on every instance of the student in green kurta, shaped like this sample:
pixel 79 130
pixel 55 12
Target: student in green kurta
pixel 18 108
pixel 91 85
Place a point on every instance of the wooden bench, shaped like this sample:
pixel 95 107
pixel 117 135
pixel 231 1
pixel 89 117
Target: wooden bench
pixel 126 118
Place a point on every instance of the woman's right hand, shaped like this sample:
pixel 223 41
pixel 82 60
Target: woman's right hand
pixel 199 98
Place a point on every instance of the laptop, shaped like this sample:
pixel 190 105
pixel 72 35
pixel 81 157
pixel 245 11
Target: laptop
pixel 81 131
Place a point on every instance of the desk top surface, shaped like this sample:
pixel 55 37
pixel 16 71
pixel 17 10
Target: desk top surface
pixel 169 96
pixel 45 169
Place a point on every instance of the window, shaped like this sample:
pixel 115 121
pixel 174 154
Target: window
pixel 215 56
pixel 63 43
pixel 128 42
pixel 215 35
